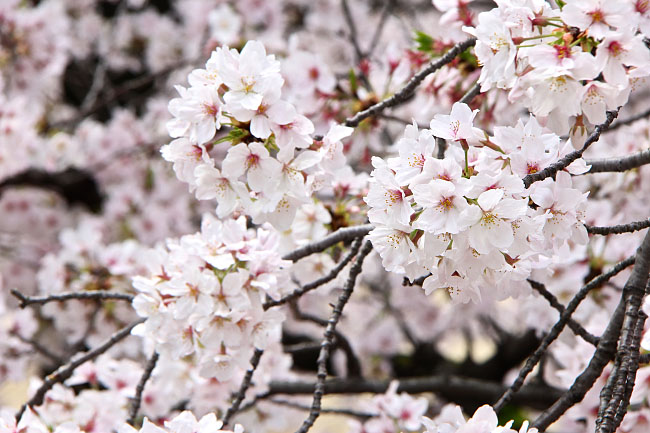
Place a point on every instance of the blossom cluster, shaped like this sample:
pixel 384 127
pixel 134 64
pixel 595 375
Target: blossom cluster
pixel 566 65
pixel 467 219
pixel 261 174
pixel 205 294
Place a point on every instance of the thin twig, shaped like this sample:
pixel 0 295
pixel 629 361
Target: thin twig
pixel 618 229
pixel 65 371
pixel 98 295
pixel 630 119
pixel 552 169
pixel 323 356
pixel 573 325
pixel 320 281
pixel 40 348
pixel 137 399
pixel 245 384
pixel 557 329
pixel 343 234
pixel 380 27
pixel 347 15
pixel 409 89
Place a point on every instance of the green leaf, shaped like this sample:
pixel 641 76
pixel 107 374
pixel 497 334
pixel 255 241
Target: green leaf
pixel 353 81
pixel 236 135
pixel 423 42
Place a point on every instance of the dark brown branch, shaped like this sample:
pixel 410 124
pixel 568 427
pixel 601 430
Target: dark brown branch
pixel 614 406
pixel 97 296
pixel 353 364
pixel 137 399
pixel 619 164
pixel 573 325
pixel 409 89
pixel 245 384
pixel 65 371
pixel 630 119
pixel 532 395
pixel 563 163
pixel 557 329
pixel 344 234
pixel 472 93
pixel 347 412
pixel 323 356
pixel 74 185
pixel 583 383
pixel 618 229
pixel 318 282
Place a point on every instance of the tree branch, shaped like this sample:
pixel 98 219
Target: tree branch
pixel 575 326
pixel 618 229
pixel 630 119
pixel 319 389
pixel 552 169
pixel 320 281
pixel 343 234
pixel 245 384
pixel 532 395
pixel 137 399
pixel 409 89
pixel 65 371
pixel 557 329
pixel 583 383
pixel 619 164
pixel 97 295
pixel 614 406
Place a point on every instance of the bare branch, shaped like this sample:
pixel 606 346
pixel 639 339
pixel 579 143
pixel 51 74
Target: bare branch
pixel 380 27
pixel 344 234
pixel 353 363
pixel 347 15
pixel 575 326
pixel 348 412
pixel 619 164
pixel 319 389
pixel 62 297
pixel 409 89
pixel 618 229
pixel 245 384
pixel 38 347
pixel 137 399
pixel 551 170
pixel 320 281
pixel 472 93
pixel 533 395
pixel 614 406
pixel 583 383
pixel 557 329
pixel 631 119
pixel 65 371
